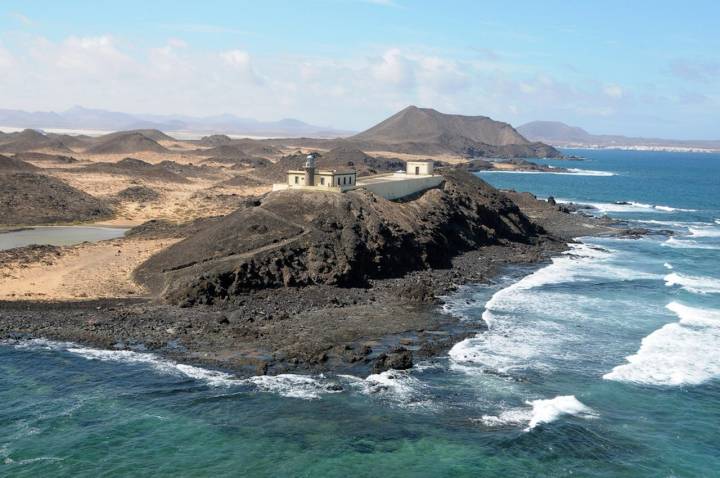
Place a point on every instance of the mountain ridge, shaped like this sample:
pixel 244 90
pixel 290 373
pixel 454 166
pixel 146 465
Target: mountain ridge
pixel 79 117
pixel 561 134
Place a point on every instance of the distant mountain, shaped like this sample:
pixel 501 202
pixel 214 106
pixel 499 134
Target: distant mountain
pixel 96 119
pixel 562 135
pixel 427 131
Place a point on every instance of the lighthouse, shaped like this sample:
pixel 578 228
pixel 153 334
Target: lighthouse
pixel 310 170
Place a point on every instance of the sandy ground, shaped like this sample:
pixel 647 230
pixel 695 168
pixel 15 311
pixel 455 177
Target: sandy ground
pixel 83 271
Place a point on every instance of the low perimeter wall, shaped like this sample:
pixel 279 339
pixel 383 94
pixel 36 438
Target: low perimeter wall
pixel 397 189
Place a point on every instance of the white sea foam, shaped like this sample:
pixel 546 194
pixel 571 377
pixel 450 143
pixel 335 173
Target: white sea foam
pixel 717 221
pixel 673 209
pixel 547 411
pixel 694 284
pixel 293 386
pixel 569 172
pixel 211 377
pixel 542 411
pixel 512 344
pixel 681 353
pixel 286 385
pixel 624 207
pixel 396 386
pixel 668 265
pixel 632 206
pixel 704 231
pixel 589 172
pixel 688 244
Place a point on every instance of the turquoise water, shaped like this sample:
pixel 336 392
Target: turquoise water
pixel 605 362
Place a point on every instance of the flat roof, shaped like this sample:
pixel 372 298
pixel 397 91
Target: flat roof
pixel 420 161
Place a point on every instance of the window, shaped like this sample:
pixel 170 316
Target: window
pixel 322 181
pixel 417 170
pixel 297 180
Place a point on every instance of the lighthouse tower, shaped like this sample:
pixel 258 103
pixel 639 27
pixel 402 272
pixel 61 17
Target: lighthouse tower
pixel 310 170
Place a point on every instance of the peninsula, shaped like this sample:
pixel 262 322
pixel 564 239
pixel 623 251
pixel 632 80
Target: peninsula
pixel 275 255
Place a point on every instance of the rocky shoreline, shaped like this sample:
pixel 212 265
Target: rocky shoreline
pixel 308 329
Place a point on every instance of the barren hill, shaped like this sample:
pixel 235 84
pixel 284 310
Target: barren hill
pixel 294 238
pixel 425 125
pixel 45 158
pixel 31 140
pixel 427 131
pixel 15 165
pixel 136 168
pixel 125 142
pixel 27 198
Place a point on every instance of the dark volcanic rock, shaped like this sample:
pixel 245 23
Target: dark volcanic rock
pixel 138 194
pixel 125 142
pixel 300 238
pixel 27 198
pixel 161 229
pixel 14 164
pixel 136 168
pixel 398 359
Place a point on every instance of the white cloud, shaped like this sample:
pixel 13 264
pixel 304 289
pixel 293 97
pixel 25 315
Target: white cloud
pixel 7 61
pixel 613 91
pixel 350 92
pixel 20 18
pixel 240 62
pixel 395 69
pixel 89 55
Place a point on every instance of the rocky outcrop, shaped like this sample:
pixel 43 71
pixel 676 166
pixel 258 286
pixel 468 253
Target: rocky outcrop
pixel 299 238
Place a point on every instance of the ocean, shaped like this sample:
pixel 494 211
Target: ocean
pixel 604 362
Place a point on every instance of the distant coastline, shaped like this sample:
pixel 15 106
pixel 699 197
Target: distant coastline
pixel 664 149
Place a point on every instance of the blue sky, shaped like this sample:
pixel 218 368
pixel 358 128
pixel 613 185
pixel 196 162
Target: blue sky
pixel 637 68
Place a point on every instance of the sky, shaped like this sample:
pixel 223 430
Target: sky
pixel 641 68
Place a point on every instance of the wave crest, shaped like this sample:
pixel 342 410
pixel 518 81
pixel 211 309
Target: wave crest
pixel 681 353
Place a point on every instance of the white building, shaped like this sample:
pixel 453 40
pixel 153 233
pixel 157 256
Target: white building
pixel 418 176
pixel 423 167
pixel 322 179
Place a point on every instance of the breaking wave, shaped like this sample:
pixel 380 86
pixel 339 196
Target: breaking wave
pixel 694 284
pixel 688 244
pixel 286 385
pixel 399 387
pixel 542 412
pixel 568 172
pixel 512 344
pixel 681 353
pixel 704 231
pixel 632 206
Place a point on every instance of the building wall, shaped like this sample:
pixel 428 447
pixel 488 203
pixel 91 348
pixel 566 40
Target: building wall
pixel 422 168
pixel 324 180
pixel 296 179
pixel 404 187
